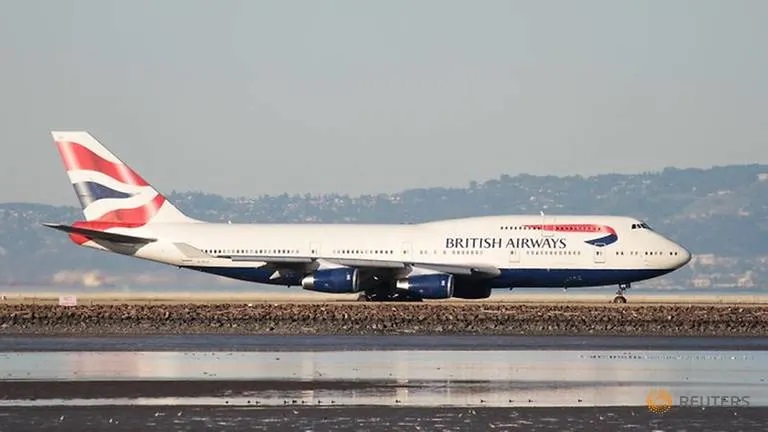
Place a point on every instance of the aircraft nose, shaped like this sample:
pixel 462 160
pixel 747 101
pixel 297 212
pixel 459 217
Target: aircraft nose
pixel 678 255
pixel 684 255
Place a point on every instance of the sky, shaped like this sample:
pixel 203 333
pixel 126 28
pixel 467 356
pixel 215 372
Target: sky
pixel 244 98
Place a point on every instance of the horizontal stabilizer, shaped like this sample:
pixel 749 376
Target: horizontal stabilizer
pixel 100 235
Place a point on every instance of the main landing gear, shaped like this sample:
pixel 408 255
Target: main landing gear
pixel 398 295
pixel 620 293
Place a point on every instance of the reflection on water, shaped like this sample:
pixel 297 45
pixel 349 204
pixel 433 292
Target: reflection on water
pixel 451 394
pixel 426 378
pixel 567 366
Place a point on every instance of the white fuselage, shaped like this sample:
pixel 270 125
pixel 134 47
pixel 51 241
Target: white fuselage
pixel 529 251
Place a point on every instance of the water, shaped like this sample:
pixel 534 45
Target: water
pixel 212 382
pixel 410 377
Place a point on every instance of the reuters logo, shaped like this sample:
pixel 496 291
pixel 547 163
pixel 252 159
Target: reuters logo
pixel 659 401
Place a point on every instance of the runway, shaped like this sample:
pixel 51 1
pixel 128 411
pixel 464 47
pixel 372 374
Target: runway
pixel 539 296
pixel 232 382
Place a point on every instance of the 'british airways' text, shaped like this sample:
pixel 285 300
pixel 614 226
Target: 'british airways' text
pixel 498 242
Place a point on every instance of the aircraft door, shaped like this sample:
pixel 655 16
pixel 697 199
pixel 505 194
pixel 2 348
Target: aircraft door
pixel 514 256
pixel 599 254
pixel 314 249
pixel 406 250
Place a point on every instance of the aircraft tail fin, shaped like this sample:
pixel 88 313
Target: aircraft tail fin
pixel 108 189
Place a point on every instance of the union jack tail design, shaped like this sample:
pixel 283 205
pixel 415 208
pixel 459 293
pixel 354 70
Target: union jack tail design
pixel 110 192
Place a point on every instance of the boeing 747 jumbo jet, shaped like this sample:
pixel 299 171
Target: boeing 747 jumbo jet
pixel 462 258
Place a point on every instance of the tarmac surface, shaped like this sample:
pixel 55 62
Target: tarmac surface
pixel 31 295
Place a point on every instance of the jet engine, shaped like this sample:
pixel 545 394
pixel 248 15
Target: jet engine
pixel 429 286
pixel 336 281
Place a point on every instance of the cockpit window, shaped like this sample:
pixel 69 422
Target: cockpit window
pixel 641 226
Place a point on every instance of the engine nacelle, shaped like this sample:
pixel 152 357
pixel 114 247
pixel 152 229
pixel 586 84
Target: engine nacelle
pixel 429 286
pixel 337 281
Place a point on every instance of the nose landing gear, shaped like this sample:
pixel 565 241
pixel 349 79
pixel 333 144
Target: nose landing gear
pixel 620 293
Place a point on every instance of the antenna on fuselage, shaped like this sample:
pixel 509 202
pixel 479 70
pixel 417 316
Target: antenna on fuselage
pixel 542 212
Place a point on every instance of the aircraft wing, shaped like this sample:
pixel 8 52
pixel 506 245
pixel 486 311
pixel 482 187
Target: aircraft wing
pixel 468 270
pixel 310 263
pixel 456 269
pixel 379 265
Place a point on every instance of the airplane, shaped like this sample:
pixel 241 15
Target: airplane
pixel 463 258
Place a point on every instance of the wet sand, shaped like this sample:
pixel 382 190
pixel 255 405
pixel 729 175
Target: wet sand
pixel 388 318
pixel 203 418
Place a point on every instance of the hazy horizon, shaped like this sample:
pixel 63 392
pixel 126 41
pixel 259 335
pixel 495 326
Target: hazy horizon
pixel 74 203
pixel 242 98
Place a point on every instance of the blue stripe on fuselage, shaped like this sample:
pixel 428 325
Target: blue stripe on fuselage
pixel 571 278
pixel 603 241
pixel 509 278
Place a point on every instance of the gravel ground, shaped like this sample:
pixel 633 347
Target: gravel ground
pixel 388 318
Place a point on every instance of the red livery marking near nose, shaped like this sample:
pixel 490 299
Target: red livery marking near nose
pixel 77 157
pixel 610 236
pixel 580 228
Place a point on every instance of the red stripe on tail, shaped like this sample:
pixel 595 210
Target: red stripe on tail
pixel 139 215
pixel 78 157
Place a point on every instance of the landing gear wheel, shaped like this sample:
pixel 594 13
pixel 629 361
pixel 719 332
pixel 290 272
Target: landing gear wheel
pixel 620 293
pixel 389 296
pixel 405 296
